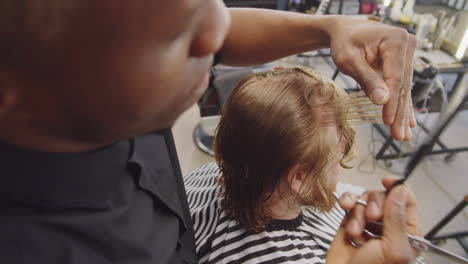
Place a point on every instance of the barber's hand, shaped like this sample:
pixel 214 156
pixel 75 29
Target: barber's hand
pixel 360 214
pixel 360 49
pixel 399 218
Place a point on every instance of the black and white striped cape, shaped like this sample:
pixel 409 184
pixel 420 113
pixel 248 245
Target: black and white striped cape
pixel 220 239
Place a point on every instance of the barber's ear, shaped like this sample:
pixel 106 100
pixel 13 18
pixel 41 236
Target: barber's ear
pixel 9 91
pixel 296 178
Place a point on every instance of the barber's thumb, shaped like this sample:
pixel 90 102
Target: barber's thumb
pixel 389 181
pixel 372 83
pixel 395 216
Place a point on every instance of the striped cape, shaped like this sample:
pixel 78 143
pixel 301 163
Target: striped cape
pixel 220 239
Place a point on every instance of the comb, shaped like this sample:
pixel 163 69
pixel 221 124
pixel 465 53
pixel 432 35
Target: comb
pixel 355 109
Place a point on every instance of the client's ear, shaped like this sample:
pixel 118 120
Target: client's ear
pixel 296 178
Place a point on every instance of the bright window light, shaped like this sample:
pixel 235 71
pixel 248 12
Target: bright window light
pixel 463 46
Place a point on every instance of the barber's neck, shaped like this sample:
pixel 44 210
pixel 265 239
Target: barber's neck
pixel 33 118
pixel 37 139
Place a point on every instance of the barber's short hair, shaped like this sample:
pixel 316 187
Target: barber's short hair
pixel 270 123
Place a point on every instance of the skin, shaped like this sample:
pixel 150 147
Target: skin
pixel 375 208
pixel 360 49
pixel 106 106
pixel 398 209
pixel 285 203
pixel 136 78
pixel 126 68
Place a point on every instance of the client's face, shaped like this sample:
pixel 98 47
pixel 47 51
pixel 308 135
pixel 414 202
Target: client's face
pixel 325 198
pixel 333 171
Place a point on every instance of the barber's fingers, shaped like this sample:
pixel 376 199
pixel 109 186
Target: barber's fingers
pixel 360 214
pixel 393 54
pixel 395 237
pixel 356 221
pixel 411 205
pixel 410 62
pixel 375 203
pixel 398 128
pixel 371 82
pixel 347 201
pixel 388 182
pixel 403 116
pixel 395 216
pixel 410 121
pixel 398 107
pixel 341 251
pixel 408 133
pixel 356 218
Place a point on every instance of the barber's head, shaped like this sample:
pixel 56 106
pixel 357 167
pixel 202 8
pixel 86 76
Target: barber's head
pixel 279 139
pixel 107 69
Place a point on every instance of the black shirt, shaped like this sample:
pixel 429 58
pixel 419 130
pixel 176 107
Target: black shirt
pixel 121 204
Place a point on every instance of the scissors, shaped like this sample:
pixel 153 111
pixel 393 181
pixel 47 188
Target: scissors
pixel 374 230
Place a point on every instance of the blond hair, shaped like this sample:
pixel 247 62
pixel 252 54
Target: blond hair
pixel 270 123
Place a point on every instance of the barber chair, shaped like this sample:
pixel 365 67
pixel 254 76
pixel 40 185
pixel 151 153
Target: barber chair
pixel 428 92
pixel 223 80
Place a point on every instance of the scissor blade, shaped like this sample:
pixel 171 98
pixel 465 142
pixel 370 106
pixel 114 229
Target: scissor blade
pixel 426 245
pixel 449 255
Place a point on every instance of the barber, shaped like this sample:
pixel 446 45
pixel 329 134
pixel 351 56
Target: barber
pixel 83 85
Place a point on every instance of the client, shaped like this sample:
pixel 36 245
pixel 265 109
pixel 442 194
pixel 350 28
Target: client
pixel 280 147
pixel 271 197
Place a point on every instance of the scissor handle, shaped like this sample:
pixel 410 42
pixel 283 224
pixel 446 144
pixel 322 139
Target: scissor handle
pixel 373 230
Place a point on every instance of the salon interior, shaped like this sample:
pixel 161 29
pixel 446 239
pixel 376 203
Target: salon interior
pixel 434 161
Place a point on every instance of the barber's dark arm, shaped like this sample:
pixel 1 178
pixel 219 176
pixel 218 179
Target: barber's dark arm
pixel 359 47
